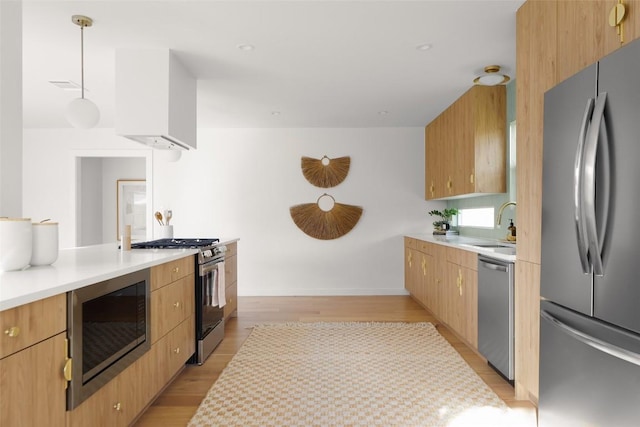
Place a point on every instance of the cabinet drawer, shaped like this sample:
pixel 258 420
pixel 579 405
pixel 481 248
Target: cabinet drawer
pixel 410 243
pixel 171 305
pixel 162 275
pixel 231 295
pixel 424 247
pixel 181 345
pixel 28 324
pixel 467 259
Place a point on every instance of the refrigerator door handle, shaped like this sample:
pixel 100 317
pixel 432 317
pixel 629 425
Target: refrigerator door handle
pixel 597 136
pixel 598 344
pixel 578 190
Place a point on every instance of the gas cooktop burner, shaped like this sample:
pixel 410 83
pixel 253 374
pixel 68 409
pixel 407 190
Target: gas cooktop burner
pixel 174 243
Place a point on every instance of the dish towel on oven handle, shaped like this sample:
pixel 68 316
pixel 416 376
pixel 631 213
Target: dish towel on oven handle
pixel 218 294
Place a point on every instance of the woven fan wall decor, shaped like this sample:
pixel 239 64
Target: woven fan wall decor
pixel 325 172
pixel 325 224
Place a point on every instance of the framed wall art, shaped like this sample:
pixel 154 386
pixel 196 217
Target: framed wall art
pixel 132 208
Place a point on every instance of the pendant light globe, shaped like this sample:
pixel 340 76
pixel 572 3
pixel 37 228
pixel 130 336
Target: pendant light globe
pixel 81 112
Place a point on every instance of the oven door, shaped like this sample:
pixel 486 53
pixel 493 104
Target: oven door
pixel 210 314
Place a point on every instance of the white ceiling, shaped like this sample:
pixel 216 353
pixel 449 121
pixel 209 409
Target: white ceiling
pixel 318 63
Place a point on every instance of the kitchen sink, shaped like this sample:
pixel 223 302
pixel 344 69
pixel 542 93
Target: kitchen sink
pixel 500 248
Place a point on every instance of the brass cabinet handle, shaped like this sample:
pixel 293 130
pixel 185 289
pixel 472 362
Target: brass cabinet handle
pixel 176 270
pixel 176 304
pixel 460 287
pixel 177 350
pixel 117 406
pixel 68 369
pixel 471 178
pixel 12 332
pixel 410 258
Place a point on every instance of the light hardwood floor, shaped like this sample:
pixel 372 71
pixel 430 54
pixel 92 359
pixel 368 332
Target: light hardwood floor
pixel 179 401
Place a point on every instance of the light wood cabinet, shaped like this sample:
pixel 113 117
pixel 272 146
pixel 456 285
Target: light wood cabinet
pixel 554 40
pixel 460 294
pixel 28 324
pixel 32 385
pixel 180 345
pixel 465 146
pixel 411 268
pixel 445 281
pixel 172 311
pixel 173 318
pixel 33 353
pixel 163 274
pixel 170 305
pixel 462 302
pixel 231 281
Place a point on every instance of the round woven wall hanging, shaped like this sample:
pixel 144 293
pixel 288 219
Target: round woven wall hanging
pixel 325 224
pixel 325 172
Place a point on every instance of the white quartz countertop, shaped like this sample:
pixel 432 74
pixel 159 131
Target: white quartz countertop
pixel 466 243
pixel 76 268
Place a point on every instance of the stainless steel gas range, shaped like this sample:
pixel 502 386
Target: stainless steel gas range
pixel 209 290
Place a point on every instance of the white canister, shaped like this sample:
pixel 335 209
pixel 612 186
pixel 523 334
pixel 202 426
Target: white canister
pixel 45 243
pixel 15 243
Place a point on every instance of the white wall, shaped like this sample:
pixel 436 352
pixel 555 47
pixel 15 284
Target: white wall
pixel 50 158
pixel 240 183
pixel 91 200
pixel 10 108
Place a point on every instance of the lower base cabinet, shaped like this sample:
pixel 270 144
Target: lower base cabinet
pixel 32 386
pixel 444 280
pixel 122 399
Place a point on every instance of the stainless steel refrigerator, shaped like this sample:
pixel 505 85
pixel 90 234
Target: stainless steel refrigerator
pixel 590 266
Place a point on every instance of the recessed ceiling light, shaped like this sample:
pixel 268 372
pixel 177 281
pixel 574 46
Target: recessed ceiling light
pixel 275 113
pixel 246 47
pixel 425 46
pixel 383 112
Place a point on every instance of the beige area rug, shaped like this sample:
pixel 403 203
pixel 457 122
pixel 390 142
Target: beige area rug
pixel 349 374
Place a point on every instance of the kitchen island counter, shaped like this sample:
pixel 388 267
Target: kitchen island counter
pixel 76 268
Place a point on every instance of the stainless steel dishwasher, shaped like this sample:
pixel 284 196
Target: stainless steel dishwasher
pixel 495 313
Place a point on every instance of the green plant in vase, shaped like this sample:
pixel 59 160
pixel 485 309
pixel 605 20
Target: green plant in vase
pixel 444 223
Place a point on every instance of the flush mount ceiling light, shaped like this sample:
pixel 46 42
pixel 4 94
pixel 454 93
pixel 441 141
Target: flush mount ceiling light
pixel 81 112
pixel 492 76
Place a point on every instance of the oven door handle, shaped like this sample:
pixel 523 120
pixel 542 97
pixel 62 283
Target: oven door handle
pixel 207 268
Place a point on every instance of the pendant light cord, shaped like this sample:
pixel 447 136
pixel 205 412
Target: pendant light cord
pixel 82 59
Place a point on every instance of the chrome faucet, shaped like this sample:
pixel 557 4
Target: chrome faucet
pixel 502 207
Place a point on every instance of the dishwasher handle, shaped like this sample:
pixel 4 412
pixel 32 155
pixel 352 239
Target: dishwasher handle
pixel 490 266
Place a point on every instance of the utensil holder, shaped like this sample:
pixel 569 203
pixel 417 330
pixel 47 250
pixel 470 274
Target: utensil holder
pixel 166 231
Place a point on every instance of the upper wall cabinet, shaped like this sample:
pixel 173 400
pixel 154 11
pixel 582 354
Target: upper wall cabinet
pixel 465 146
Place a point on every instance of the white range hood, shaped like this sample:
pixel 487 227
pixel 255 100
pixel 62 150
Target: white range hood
pixel 155 99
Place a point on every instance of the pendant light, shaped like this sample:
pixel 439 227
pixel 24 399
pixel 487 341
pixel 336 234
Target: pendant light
pixel 81 112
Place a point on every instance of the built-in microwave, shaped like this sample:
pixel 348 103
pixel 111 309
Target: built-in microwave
pixel 108 329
